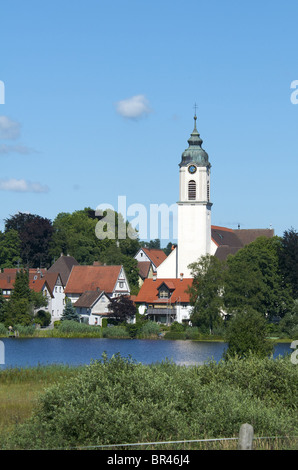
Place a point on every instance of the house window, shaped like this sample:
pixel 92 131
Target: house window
pixel 192 190
pixel 121 285
pixel 163 294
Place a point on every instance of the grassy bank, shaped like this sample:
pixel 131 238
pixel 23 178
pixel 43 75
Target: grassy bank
pixel 144 330
pixel 20 389
pixel 119 401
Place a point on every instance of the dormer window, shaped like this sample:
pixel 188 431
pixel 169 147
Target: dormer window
pixel 164 294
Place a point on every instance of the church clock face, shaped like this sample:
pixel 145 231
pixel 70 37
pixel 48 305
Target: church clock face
pixel 192 169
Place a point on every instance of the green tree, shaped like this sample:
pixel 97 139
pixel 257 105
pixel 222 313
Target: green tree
pixel 10 249
pixel 254 279
pixel 21 288
pixel 74 234
pixel 246 333
pixel 288 259
pixel 78 234
pixel 19 309
pixel 70 312
pixel 43 318
pixel 206 292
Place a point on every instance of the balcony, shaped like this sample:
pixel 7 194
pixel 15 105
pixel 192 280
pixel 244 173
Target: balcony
pixel 162 315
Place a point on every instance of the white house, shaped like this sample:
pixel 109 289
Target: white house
pixel 90 289
pixel 52 288
pixel 165 300
pixel 92 306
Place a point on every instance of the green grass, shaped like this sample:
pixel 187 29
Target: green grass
pixel 21 388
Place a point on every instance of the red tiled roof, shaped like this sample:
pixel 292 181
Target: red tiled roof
pixel 156 256
pixel 63 266
pixel 50 279
pixel 89 278
pixel 36 285
pixel 149 290
pixel 88 298
pixel 144 268
pixel 6 282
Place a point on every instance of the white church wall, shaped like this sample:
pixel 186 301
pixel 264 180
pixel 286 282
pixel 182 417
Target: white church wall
pixel 167 269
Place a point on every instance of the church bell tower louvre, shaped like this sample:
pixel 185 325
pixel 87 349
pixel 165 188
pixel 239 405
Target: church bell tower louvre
pixel 194 210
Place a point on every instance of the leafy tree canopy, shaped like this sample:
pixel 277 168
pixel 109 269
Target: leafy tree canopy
pixel 288 258
pixel 10 249
pixel 253 279
pixel 246 334
pixel 122 308
pixel 35 234
pixel 206 292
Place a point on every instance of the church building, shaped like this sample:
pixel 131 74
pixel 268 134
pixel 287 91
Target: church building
pixel 194 210
pixel 196 236
pixel 165 297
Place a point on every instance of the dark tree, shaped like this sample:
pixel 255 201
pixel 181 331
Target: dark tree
pixel 35 233
pixel 122 309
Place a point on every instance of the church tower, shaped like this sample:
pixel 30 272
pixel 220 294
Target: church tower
pixel 194 211
pixel 194 206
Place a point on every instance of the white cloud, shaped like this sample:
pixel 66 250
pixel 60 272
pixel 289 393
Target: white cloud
pixel 133 108
pixel 22 149
pixel 9 129
pixel 22 186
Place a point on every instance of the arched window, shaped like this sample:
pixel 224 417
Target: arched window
pixel 192 190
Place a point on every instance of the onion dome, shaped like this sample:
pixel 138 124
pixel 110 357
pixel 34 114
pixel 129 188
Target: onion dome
pixel 195 153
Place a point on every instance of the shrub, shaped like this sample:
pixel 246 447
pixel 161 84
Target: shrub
pixel 115 332
pixel 117 401
pixel 25 330
pixel 43 318
pixel 192 332
pixel 176 326
pixel 73 327
pixel 150 328
pixel 246 332
pixel 174 335
pixel 3 330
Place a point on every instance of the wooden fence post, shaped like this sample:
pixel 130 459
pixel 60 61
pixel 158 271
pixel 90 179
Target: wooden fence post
pixel 246 435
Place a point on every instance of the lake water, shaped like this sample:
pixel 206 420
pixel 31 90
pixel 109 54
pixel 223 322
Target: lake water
pixel 79 351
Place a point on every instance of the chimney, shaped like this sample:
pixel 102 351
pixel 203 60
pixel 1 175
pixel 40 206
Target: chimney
pixel 181 276
pixel 154 276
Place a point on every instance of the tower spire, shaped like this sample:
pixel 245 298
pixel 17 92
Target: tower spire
pixel 195 116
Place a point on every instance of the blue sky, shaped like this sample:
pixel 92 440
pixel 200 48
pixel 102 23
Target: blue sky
pixel 99 102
